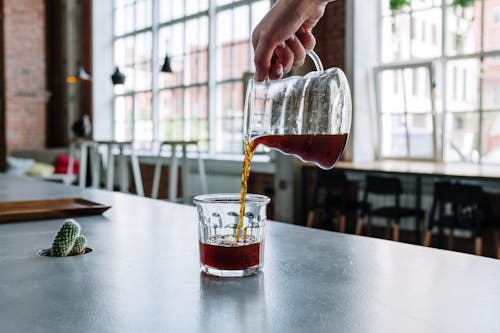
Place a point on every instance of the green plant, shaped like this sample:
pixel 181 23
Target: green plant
pixel 398 4
pixel 79 246
pixel 65 238
pixel 462 3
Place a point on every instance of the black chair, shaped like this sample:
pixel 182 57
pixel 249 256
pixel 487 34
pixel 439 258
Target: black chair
pixel 331 199
pixel 387 187
pixel 456 206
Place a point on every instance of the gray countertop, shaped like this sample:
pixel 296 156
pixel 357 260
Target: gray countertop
pixel 143 276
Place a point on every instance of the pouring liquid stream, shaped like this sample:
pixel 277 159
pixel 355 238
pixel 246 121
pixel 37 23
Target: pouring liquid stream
pixel 322 149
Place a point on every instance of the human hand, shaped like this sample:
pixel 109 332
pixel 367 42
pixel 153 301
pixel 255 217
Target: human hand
pixel 282 38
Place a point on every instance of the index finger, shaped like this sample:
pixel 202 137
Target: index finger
pixel 263 54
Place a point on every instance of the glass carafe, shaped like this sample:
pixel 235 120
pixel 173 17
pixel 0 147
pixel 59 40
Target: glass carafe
pixel 308 117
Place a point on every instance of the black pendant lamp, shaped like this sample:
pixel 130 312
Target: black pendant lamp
pixel 166 68
pixel 80 76
pixel 118 77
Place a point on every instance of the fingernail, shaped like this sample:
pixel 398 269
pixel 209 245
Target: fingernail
pixel 282 45
pixel 278 71
pixel 292 38
pixel 302 30
pixel 257 76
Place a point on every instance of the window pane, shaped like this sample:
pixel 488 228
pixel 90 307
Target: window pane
pixel 171 9
pixel 124 51
pixel 241 26
pixel 396 37
pixel 124 19
pixel 196 113
pixel 462 140
pixel 171 115
pixel 143 76
pixel 124 118
pixel 143 13
pixel 196 35
pixel 143 47
pixel 143 124
pixel 120 52
pixel 491 83
pixel 259 9
pixel 172 44
pixel 171 40
pixel 143 61
pixel 224 62
pixel 464 29
pixel 423 4
pixel 240 59
pixel 420 129
pixel 418 94
pixel 391 91
pixel 386 10
pixel 232 43
pixel 129 73
pixel 462 89
pixel 426 33
pixel 193 7
pixel 491 25
pixel 222 2
pixel 393 134
pixel 224 27
pixel 229 118
pixel 196 51
pixel 491 137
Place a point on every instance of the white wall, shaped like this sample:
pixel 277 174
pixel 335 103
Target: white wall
pixel 361 58
pixel 102 58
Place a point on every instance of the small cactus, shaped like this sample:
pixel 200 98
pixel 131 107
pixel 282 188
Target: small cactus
pixel 79 246
pixel 65 238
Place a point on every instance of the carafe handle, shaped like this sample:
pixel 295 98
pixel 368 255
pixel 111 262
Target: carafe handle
pixel 315 59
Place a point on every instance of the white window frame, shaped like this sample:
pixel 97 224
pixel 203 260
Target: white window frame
pixel 212 82
pixel 442 60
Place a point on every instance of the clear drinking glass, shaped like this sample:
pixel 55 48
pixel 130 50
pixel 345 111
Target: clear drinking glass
pixel 221 254
pixel 308 117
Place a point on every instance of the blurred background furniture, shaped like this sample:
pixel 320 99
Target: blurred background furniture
pixel 389 187
pixel 173 173
pixel 334 198
pixel 123 150
pixel 457 206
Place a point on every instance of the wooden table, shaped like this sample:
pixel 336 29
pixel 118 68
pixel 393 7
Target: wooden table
pixel 143 276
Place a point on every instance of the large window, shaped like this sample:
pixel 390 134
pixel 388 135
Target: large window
pixel 439 80
pixel 209 46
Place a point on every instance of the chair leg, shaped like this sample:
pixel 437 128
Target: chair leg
pixel 421 231
pixel 450 240
pixel 369 225
pixel 497 244
pixel 387 228
pixel 310 218
pixel 342 223
pixel 359 226
pixel 478 245
pixel 395 232
pixel 427 238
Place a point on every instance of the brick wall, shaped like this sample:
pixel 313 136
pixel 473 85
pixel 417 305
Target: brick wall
pixel 25 76
pixel 330 35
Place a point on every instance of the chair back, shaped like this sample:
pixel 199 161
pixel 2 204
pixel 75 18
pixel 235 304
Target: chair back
pixel 465 201
pixel 332 180
pixel 466 195
pixel 383 185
